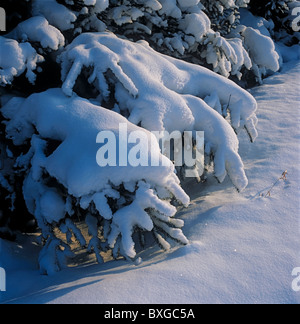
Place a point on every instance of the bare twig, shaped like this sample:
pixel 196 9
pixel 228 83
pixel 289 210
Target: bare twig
pixel 229 101
pixel 283 177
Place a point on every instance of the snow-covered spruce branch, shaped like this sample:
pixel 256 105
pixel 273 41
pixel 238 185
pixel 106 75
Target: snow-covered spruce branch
pixel 282 18
pixel 180 28
pixel 117 200
pixel 17 53
pixel 56 130
pixel 163 93
pixel 17 58
pixel 190 22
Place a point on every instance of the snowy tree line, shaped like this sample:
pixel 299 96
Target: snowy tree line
pixel 70 69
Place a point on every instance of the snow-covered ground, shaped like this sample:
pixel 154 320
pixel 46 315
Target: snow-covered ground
pixel 243 247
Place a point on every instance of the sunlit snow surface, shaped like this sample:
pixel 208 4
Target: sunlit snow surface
pixel 243 248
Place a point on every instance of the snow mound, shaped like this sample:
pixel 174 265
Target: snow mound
pixel 65 19
pixel 68 177
pixel 37 29
pixel 163 93
pixel 57 14
pixel 74 162
pixel 196 24
pixel 15 59
pixel 262 49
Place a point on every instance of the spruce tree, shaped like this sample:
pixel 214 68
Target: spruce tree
pixel 281 14
pixel 66 64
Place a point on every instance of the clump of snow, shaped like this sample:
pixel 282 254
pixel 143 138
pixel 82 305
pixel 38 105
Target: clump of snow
pixel 262 49
pixel 57 14
pixel 53 251
pixel 196 24
pixel 134 215
pixel 169 7
pixel 163 93
pixel 242 57
pixel 153 4
pixel 37 29
pixel 100 5
pixel 64 19
pixel 188 3
pixel 259 23
pixel 52 206
pixel 234 57
pixel 254 49
pixel 75 123
pixel 15 59
pixel 77 128
pixel 125 15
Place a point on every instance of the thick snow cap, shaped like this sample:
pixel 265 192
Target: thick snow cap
pixel 164 93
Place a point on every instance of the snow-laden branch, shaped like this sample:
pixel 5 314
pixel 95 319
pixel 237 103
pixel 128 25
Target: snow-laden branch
pixel 15 59
pixel 17 53
pixel 74 124
pixel 37 29
pixel 64 18
pixel 163 93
